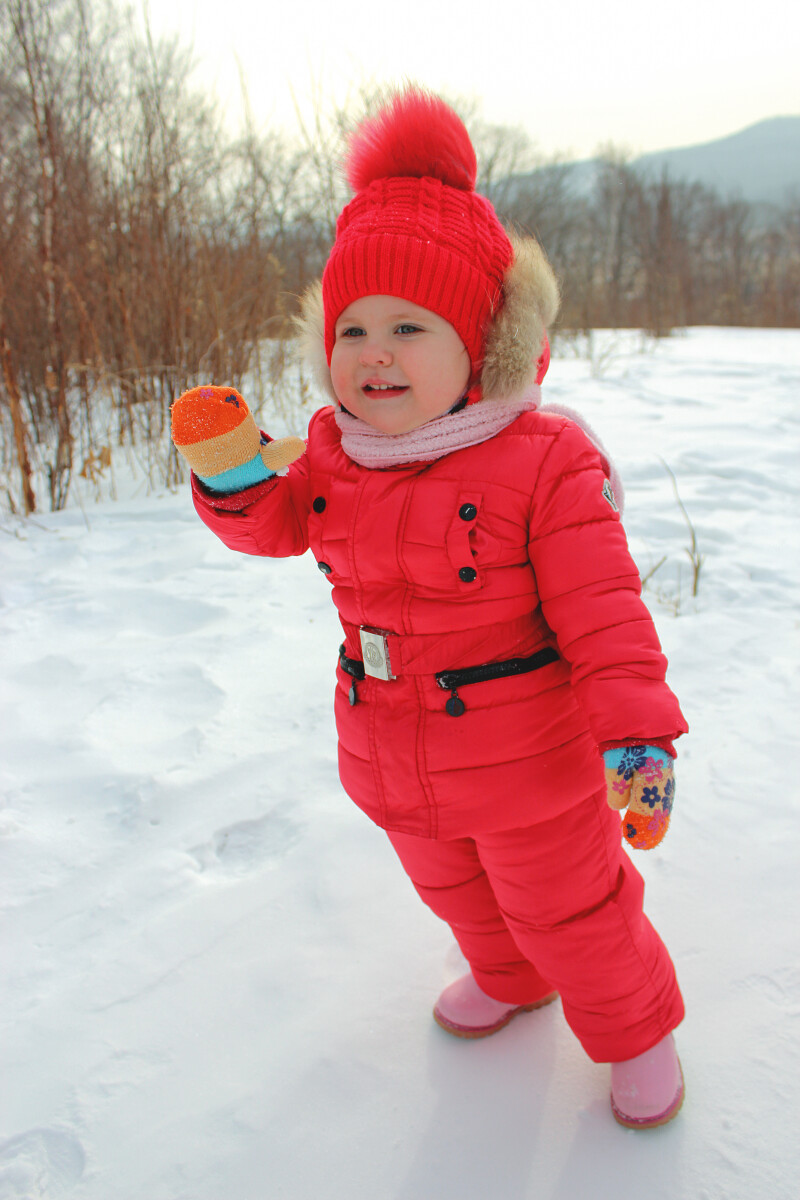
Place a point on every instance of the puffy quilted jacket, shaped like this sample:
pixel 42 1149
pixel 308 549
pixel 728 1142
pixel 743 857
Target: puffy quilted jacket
pixel 486 554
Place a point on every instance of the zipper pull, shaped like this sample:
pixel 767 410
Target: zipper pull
pixel 455 705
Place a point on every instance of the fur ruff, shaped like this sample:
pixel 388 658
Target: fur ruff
pixel 515 337
pixel 310 326
pixel 514 340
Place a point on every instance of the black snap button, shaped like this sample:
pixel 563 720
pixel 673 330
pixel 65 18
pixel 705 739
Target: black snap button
pixel 326 570
pixel 468 574
pixel 318 504
pixel 468 512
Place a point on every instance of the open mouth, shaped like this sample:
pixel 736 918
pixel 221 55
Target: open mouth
pixel 384 390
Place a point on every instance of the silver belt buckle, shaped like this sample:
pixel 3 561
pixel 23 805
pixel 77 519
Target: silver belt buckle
pixel 375 653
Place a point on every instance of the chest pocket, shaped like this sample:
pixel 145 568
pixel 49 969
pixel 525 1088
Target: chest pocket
pixel 328 526
pixel 460 542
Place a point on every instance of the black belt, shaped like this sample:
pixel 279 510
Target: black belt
pixel 451 681
pixel 352 666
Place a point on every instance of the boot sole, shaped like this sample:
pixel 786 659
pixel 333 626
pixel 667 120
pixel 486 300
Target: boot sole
pixel 652 1122
pixel 482 1031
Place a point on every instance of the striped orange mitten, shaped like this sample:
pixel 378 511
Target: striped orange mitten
pixel 640 779
pixel 214 430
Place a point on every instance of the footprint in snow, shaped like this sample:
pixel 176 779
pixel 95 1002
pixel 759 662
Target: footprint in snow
pixel 41 1163
pixel 247 846
pixel 781 988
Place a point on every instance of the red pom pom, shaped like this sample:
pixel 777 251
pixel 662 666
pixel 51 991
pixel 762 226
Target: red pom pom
pixel 416 134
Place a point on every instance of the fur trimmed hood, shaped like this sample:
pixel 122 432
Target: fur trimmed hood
pixel 515 338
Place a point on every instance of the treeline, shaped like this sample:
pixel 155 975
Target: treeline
pixel 144 248
pixel 659 254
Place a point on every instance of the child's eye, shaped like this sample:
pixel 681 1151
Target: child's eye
pixel 408 329
pixel 351 331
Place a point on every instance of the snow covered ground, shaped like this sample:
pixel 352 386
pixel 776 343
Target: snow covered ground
pixel 216 982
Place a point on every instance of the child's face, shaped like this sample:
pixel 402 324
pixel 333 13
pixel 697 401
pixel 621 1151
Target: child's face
pixel 396 365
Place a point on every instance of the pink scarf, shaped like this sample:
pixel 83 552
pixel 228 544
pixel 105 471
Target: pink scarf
pixel 455 431
pixel 452 431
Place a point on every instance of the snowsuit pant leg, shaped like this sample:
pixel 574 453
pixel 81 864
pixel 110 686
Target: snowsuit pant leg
pixel 451 880
pixel 570 902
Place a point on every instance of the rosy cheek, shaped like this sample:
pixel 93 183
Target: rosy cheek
pixel 339 391
pixel 338 374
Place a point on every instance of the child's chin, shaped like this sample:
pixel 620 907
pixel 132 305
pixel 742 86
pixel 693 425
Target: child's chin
pixel 395 426
pixel 387 422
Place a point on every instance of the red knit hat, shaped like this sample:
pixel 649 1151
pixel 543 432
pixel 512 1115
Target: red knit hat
pixel 416 228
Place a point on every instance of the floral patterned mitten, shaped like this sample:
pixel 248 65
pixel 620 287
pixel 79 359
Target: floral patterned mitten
pixel 640 779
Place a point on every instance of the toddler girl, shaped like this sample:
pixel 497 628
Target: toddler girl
pixel 500 687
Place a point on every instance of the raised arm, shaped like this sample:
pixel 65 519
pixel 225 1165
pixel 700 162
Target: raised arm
pixel 251 491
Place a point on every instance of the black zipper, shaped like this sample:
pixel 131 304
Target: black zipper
pixel 447 680
pixel 451 681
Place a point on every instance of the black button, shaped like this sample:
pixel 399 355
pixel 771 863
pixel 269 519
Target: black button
pixel 468 512
pixel 468 574
pixel 319 504
pixel 326 570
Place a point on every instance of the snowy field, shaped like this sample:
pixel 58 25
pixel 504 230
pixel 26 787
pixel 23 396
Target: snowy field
pixel 216 982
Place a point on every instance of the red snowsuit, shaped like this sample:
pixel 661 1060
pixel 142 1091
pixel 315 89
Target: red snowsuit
pixel 499 815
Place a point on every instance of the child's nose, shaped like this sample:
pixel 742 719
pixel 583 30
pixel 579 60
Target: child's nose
pixel 374 353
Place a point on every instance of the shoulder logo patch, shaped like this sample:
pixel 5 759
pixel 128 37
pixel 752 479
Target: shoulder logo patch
pixel 608 494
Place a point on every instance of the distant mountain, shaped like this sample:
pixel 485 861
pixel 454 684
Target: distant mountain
pixel 758 164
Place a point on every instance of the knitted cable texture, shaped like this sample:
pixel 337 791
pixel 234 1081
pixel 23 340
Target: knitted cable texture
pixel 416 229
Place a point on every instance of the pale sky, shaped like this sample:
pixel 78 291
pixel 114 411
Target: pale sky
pixel 575 74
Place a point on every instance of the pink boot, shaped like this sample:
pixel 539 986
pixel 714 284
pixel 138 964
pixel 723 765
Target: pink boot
pixel 464 1010
pixel 648 1090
